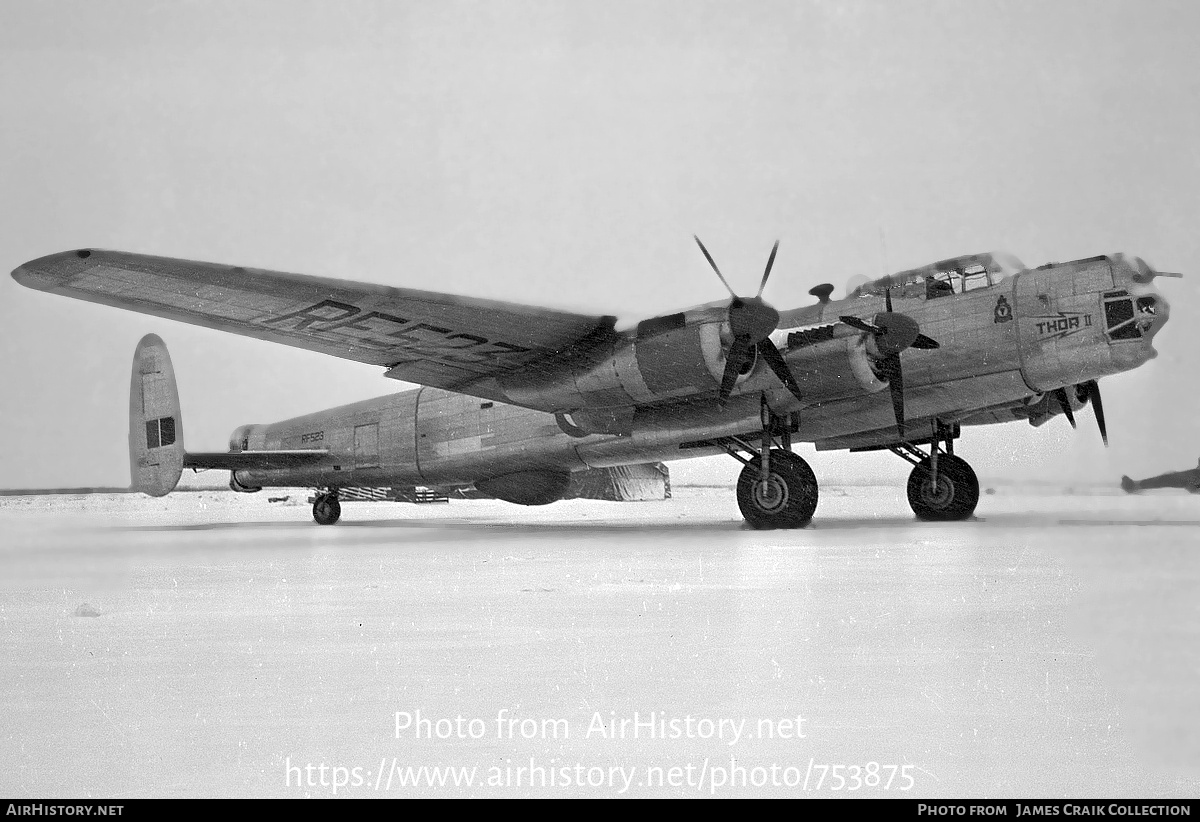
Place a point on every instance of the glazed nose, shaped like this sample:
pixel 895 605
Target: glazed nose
pixel 1152 307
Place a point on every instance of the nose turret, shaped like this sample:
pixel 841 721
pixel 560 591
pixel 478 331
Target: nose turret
pixel 1150 309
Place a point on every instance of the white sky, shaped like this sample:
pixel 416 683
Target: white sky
pixel 563 154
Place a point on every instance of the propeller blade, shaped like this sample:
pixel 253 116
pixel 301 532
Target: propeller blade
pixel 861 325
pixel 733 364
pixel 925 343
pixel 1098 407
pixel 708 257
pixel 1061 394
pixel 895 377
pixel 775 360
pixel 767 273
pixel 887 297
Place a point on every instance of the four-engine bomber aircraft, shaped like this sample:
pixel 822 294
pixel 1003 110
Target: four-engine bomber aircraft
pixel 516 398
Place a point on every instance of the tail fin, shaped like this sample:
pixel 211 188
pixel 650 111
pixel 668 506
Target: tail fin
pixel 155 426
pixel 1128 485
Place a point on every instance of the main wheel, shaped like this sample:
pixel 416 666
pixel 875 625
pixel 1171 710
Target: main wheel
pixel 789 498
pixel 326 509
pixel 953 498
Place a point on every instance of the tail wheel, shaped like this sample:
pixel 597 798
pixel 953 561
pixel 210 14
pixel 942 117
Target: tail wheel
pixel 787 499
pixel 326 509
pixel 954 495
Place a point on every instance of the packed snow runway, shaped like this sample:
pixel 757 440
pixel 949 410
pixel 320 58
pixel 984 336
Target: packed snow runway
pixel 214 644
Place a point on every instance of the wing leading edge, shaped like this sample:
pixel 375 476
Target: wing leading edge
pixel 442 340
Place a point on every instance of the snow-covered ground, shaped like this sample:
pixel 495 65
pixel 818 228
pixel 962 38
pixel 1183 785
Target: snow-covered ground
pixel 215 644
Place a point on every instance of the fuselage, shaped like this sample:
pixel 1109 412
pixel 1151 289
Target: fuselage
pixel 1006 339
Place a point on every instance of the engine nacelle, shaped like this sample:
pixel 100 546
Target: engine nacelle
pixel 1044 407
pixel 671 358
pixel 866 362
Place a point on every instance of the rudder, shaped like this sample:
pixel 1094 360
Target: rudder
pixel 155 425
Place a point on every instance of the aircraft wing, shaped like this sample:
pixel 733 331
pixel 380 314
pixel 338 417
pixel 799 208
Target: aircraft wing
pixel 251 460
pixel 441 340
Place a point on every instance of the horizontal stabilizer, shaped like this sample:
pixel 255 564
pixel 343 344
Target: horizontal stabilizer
pixel 156 453
pixel 253 460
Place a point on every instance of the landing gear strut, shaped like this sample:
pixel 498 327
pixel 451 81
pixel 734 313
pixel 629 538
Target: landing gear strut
pixel 941 487
pixel 776 489
pixel 326 508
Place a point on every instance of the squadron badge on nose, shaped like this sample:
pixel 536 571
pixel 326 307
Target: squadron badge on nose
pixel 1003 312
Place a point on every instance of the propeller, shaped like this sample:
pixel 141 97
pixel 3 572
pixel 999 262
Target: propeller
pixel 751 321
pixel 902 333
pixel 1090 393
pixel 893 333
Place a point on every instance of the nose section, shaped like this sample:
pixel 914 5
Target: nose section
pixel 1150 308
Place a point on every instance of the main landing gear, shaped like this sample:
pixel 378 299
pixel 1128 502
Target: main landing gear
pixel 941 487
pixel 326 508
pixel 776 489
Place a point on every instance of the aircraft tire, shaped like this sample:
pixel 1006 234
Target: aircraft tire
pixel 955 497
pixel 327 509
pixel 791 496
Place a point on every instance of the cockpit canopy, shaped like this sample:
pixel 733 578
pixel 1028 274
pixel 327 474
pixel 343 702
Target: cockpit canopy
pixel 946 277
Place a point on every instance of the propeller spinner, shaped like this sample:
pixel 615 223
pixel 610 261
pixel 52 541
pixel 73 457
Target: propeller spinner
pixel 751 321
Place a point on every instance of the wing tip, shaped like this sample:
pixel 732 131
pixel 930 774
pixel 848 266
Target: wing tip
pixel 49 272
pixel 28 276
